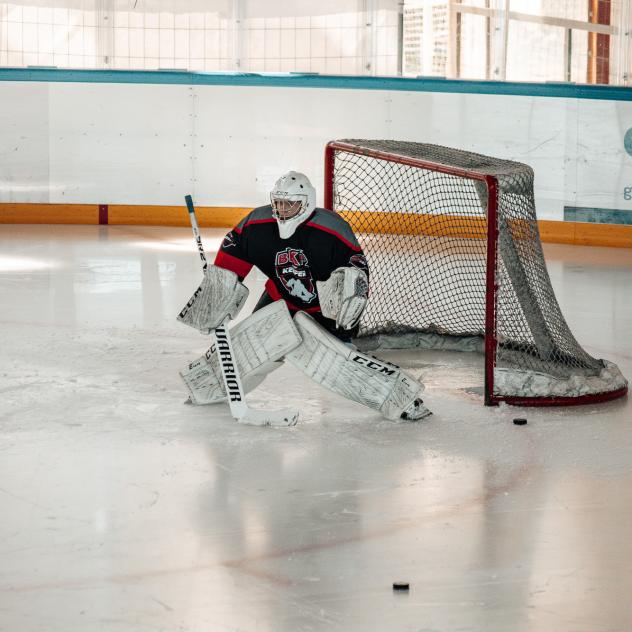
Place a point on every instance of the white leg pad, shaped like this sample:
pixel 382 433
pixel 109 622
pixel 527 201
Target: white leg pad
pixel 354 375
pixel 259 343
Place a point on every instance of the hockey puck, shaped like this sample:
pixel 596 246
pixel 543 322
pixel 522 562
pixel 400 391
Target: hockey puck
pixel 401 586
pixel 520 421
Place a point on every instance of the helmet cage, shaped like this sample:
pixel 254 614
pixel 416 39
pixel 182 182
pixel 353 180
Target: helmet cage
pixel 278 196
pixel 291 189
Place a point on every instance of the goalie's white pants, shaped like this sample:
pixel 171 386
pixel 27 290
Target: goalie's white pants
pixel 350 373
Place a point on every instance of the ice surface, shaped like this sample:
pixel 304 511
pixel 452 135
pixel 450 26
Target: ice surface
pixel 123 509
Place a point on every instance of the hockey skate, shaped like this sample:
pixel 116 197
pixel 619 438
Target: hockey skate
pixel 416 411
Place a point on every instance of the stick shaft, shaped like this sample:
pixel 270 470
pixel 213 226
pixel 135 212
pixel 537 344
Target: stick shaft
pixel 196 230
pixel 230 373
pixel 223 347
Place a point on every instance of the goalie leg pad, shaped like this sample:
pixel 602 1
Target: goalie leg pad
pixel 204 382
pixel 350 373
pixel 219 296
pixel 259 342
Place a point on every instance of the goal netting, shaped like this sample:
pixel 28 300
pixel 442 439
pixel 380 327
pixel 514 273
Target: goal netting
pixel 456 262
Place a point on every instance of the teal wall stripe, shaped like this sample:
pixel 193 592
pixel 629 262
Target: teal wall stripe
pixel 597 215
pixel 307 80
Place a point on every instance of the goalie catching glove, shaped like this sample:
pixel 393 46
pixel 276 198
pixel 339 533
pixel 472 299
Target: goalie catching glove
pixel 219 296
pixel 343 296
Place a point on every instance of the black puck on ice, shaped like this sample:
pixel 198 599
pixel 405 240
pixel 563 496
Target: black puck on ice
pixel 401 586
pixel 520 421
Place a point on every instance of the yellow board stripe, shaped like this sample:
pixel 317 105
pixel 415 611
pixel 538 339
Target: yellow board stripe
pixel 416 224
pixel 586 234
pixel 207 216
pixel 580 233
pixel 13 213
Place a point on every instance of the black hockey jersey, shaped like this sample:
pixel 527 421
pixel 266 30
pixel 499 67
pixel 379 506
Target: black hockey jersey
pixel 319 245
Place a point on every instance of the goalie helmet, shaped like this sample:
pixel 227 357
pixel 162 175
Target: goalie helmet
pixel 293 199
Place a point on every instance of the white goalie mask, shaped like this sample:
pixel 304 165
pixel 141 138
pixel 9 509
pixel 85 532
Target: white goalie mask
pixel 293 199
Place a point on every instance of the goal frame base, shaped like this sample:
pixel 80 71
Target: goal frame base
pixel 594 398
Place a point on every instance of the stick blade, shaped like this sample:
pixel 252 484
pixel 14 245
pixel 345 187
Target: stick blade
pixel 276 418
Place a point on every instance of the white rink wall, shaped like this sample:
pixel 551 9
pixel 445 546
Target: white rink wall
pixel 111 143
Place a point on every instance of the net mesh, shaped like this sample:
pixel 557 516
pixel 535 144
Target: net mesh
pixel 424 233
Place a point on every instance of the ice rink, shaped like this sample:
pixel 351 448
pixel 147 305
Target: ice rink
pixel 122 509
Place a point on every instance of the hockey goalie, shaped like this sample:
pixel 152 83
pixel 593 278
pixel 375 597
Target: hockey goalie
pixel 317 288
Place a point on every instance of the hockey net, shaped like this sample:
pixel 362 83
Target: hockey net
pixel 456 262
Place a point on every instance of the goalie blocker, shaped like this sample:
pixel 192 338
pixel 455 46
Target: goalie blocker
pixel 220 296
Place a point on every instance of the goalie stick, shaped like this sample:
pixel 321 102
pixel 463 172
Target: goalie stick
pixel 230 373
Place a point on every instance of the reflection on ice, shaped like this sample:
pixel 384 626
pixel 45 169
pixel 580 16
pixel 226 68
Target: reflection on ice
pixel 211 244
pixel 23 264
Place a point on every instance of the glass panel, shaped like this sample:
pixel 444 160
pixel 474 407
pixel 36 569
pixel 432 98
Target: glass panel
pixel 568 9
pixel 535 52
pixel 473 47
pixel 426 38
pixel 463 39
pixel 329 36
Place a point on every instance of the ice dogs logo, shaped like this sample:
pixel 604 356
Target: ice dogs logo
pixel 229 240
pixel 293 271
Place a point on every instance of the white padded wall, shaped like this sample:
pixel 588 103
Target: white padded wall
pixel 150 144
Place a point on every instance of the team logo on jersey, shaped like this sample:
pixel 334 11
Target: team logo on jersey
pixel 359 261
pixel 292 269
pixel 229 240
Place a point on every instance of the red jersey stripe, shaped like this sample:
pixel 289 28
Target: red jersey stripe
pixel 228 262
pixel 267 220
pixel 354 247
